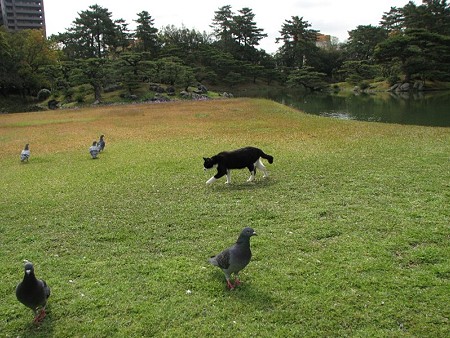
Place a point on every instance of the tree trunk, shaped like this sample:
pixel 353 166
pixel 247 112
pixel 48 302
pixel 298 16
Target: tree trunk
pixel 97 92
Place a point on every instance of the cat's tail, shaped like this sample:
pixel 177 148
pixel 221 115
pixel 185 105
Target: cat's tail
pixel 267 157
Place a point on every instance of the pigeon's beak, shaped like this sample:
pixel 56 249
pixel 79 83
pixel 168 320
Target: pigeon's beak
pixel 254 233
pixel 27 272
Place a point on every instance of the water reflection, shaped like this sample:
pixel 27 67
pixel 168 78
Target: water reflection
pixel 423 108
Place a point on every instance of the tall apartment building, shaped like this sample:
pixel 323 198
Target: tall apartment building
pixel 22 14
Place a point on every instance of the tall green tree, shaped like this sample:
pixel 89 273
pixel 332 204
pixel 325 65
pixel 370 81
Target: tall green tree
pixel 393 21
pixel 437 15
pixel 183 42
pixel 431 15
pixel 419 53
pixel 92 35
pixel 123 37
pixel 27 53
pixel 215 64
pixel 299 43
pixel 418 41
pixel 223 27
pixel 247 35
pixel 328 61
pixel 94 71
pixel 6 61
pixel 237 34
pixel 129 70
pixel 362 41
pixel 146 34
pixel 244 29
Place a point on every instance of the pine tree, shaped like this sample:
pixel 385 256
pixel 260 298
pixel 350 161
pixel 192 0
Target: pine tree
pixel 146 34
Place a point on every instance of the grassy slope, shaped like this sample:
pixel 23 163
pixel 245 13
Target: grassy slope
pixel 353 223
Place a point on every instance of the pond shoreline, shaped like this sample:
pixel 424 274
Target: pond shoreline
pixel 427 108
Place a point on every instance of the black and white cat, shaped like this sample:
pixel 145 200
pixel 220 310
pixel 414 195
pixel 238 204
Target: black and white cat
pixel 248 157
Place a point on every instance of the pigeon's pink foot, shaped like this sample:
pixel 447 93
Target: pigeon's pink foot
pixel 39 317
pixel 229 285
pixel 237 282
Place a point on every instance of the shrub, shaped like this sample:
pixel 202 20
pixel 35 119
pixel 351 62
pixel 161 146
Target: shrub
pixel 363 85
pixel 354 79
pixel 68 94
pixel 43 94
pixel 80 97
pixel 112 88
pixel 393 79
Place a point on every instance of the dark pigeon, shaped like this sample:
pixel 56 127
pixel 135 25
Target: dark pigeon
pixel 235 258
pixel 33 293
pixel 101 143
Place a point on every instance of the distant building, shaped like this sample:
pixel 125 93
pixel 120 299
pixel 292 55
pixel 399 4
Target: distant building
pixel 323 41
pixel 16 15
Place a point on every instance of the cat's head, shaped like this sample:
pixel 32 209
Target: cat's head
pixel 208 163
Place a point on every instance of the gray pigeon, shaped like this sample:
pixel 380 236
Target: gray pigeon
pixel 25 154
pixel 235 258
pixel 33 292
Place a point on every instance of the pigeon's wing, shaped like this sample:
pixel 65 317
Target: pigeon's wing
pixel 19 292
pixel 46 288
pixel 222 260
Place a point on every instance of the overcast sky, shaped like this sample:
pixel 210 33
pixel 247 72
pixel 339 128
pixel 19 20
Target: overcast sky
pixel 331 17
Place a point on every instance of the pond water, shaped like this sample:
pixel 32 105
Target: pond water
pixel 425 108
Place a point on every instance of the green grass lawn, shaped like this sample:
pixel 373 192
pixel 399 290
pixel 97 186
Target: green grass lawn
pixel 353 224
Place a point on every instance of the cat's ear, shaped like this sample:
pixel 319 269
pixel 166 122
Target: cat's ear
pixel 204 158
